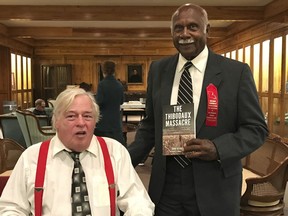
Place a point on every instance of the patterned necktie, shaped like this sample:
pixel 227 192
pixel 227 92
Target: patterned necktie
pixel 79 192
pixel 185 95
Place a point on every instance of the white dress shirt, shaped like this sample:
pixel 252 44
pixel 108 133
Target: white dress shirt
pixel 197 72
pixel 18 195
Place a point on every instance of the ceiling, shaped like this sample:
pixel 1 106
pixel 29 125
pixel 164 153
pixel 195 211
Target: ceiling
pixel 115 19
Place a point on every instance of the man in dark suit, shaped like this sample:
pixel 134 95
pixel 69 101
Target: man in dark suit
pixel 229 124
pixel 109 97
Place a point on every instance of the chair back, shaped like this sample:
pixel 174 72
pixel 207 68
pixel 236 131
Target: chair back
pixel 265 193
pixel 51 103
pixel 10 151
pixel 268 157
pixel 11 128
pixel 31 128
pixel 24 127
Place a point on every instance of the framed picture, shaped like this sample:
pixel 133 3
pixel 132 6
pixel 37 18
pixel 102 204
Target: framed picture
pixel 134 74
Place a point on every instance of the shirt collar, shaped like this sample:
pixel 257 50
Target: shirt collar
pixel 199 61
pixel 59 146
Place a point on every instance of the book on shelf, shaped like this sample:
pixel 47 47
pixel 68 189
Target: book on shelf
pixel 178 128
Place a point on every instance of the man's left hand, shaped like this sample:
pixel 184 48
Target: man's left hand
pixel 203 149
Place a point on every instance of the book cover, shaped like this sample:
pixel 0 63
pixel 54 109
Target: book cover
pixel 178 127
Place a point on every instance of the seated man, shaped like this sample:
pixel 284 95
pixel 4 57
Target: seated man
pixel 39 107
pixel 74 150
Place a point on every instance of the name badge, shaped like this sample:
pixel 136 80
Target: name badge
pixel 212 105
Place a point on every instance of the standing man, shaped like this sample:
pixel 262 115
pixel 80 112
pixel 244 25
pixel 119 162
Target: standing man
pixel 75 150
pixel 229 124
pixel 109 97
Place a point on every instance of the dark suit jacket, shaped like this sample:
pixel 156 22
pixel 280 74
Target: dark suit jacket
pixel 109 97
pixel 240 130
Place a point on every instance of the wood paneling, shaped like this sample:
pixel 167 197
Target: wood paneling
pixel 276 7
pixel 248 15
pixel 86 69
pixel 261 30
pixel 5 87
pixel 108 13
pixel 105 48
pixel 274 103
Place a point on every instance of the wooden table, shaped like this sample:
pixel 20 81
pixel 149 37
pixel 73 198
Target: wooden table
pixel 133 109
pixel 133 112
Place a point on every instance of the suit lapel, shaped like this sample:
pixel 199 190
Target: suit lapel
pixel 167 78
pixel 212 75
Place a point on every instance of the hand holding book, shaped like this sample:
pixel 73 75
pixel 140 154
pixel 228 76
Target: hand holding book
pixel 201 148
pixel 178 128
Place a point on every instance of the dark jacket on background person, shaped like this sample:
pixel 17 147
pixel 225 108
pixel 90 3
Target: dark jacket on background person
pixel 109 97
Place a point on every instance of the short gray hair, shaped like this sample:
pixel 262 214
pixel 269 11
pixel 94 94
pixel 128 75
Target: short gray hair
pixel 189 6
pixel 65 99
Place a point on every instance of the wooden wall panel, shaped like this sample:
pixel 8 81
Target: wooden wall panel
pixel 100 47
pixel 105 51
pixel 86 69
pixel 276 7
pixel 259 31
pixel 15 45
pixel 86 55
pixel 82 71
pixel 5 87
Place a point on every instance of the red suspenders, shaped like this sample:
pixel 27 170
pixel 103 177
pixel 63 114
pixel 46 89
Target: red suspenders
pixel 39 180
pixel 109 175
pixel 40 173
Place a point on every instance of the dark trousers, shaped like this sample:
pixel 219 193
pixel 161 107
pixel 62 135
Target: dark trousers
pixel 178 197
pixel 117 135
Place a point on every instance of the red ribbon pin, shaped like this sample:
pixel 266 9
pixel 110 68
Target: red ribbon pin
pixel 212 105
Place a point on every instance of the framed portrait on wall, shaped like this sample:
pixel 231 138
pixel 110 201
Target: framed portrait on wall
pixel 134 74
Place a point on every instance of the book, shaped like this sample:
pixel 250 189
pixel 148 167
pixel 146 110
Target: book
pixel 178 128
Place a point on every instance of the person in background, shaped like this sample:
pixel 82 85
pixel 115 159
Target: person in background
pixel 39 107
pixel 87 87
pixel 109 97
pixel 74 118
pixel 124 84
pixel 228 121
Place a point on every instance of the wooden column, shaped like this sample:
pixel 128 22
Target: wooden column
pixel 5 65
